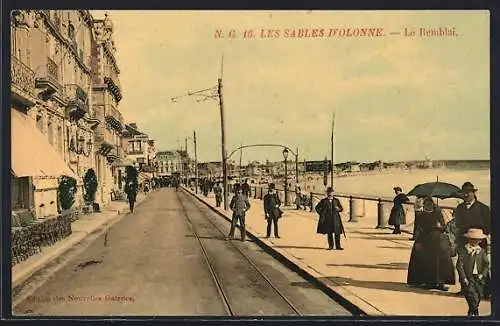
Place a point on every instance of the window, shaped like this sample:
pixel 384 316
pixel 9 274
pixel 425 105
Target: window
pixel 20 193
pixel 59 139
pixel 50 133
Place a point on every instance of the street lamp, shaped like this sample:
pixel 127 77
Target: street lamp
pixel 285 155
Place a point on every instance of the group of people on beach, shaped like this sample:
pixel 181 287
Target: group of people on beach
pixel 437 242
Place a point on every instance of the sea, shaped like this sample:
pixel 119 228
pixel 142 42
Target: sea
pixel 381 184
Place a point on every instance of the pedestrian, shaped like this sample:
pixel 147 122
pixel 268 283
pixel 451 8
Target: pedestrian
pixel 272 210
pixel 473 269
pixel 430 263
pixel 131 189
pixel 330 222
pixel 246 188
pixel 298 197
pixel 398 214
pixel 239 205
pixel 418 208
pixel 206 188
pixel 471 213
pixel 218 194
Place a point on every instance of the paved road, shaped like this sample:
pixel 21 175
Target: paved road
pixel 153 264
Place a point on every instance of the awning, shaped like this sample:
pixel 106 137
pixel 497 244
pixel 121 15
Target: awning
pixel 32 154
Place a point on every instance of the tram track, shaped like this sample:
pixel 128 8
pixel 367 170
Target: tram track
pixel 231 311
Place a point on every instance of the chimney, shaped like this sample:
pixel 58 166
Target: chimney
pixel 133 125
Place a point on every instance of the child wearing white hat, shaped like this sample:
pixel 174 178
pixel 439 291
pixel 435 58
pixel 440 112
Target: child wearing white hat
pixel 473 269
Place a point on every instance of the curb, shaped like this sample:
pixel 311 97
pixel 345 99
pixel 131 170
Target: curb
pixel 355 305
pixel 25 275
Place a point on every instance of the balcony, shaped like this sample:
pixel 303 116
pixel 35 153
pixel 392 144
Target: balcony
pixel 114 119
pixel 23 83
pixel 47 78
pixel 111 80
pixel 77 101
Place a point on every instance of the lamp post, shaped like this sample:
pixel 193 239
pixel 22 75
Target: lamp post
pixel 285 155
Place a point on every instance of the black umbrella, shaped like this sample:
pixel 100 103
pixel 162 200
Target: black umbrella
pixel 441 190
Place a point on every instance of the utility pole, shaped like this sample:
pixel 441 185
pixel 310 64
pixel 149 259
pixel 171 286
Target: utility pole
pixel 188 166
pixel 212 93
pixel 297 165
pixel 223 134
pixel 241 155
pixel 195 162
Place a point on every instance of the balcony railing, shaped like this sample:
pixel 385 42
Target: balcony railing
pixel 23 81
pixel 48 77
pixel 111 79
pixel 77 101
pixel 114 118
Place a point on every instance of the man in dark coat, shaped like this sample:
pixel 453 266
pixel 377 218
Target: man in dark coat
pixel 246 188
pixel 131 189
pixel 398 213
pixel 272 210
pixel 330 223
pixel 218 194
pixel 239 205
pixel 471 214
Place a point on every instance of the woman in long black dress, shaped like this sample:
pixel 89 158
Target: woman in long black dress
pixel 398 214
pixel 430 264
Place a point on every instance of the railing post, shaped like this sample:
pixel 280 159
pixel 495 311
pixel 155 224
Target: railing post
pixel 381 223
pixel 352 210
pixel 311 197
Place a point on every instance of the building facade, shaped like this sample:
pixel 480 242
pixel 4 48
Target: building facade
pixel 168 163
pixel 58 62
pixel 53 48
pixel 107 95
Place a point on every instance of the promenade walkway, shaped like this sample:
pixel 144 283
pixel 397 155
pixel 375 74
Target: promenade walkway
pixel 81 229
pixel 370 272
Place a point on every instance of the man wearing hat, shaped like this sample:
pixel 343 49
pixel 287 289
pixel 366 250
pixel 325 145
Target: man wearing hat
pixel 330 223
pixel 473 269
pixel 272 210
pixel 471 214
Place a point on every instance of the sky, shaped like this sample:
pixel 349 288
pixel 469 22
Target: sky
pixel 396 97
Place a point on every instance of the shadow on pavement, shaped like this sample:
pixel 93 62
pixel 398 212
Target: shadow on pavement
pixel 396 247
pixel 387 237
pixel 400 266
pixel 300 247
pixel 379 285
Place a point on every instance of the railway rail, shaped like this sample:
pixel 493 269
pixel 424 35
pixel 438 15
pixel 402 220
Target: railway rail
pixel 218 282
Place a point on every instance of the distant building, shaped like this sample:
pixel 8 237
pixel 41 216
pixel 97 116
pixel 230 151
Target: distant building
pixel 168 163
